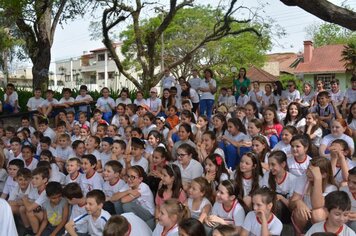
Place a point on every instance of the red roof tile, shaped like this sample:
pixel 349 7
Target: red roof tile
pixel 104 48
pixel 284 59
pixel 325 59
pixel 257 74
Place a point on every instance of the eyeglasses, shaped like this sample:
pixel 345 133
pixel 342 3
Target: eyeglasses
pixel 132 177
pixel 152 92
pixel 182 154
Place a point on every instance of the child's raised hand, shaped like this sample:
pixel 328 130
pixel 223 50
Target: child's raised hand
pixel 127 158
pixel 261 215
pixel 315 170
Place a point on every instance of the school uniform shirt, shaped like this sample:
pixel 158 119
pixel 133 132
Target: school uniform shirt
pixel 307 99
pixel 57 176
pixel 7 222
pixel 233 216
pixel 32 130
pixel 344 230
pixel 105 157
pixel 350 95
pixel 75 179
pixel 3 177
pixel 115 120
pixel 351 196
pixel 154 104
pixel 147 129
pixel 328 139
pixel 46 102
pixel 205 84
pixel 299 125
pixel 63 153
pixel 109 189
pixel 237 138
pixel 302 189
pixel 338 172
pixel 50 133
pixel 63 101
pixel 146 197
pixel 96 153
pixel 38 197
pixel 95 227
pixel 253 96
pixel 298 168
pixel 17 193
pixel 31 164
pixel 75 138
pixel 243 100
pixel 285 187
pixel 105 104
pixel 80 98
pixel 33 103
pixel 286 148
pixel 137 225
pixel 11 156
pixel 76 211
pixel 192 171
pixel 143 162
pixel 10 185
pixel 253 225
pixel 281 115
pixel 168 81
pixel 12 98
pixel 337 97
pixel 196 213
pixel 177 144
pixel 92 182
pixel 291 96
pixel 120 100
pixel 171 232
pixel 140 102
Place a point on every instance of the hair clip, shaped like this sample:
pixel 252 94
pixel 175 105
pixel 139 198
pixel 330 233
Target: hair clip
pixel 218 160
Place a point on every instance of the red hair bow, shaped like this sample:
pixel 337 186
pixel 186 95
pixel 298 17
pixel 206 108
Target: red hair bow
pixel 218 160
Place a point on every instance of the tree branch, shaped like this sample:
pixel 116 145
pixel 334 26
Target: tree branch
pixel 326 11
pixel 56 20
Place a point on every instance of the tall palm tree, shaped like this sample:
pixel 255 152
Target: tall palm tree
pixel 349 57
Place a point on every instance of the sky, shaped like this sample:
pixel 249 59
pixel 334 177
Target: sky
pixel 73 39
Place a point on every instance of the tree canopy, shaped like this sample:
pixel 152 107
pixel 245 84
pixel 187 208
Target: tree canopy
pixel 145 43
pixel 187 29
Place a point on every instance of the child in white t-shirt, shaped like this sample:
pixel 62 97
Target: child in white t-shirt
pixel 91 179
pixel 10 184
pixel 95 219
pixel 11 103
pixel 73 166
pixel 127 224
pixel 262 221
pixel 113 183
pixel 337 205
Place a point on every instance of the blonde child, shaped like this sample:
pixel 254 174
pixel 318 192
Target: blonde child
pixel 200 197
pixel 262 221
pixel 171 213
pixel 73 166
pixel 118 150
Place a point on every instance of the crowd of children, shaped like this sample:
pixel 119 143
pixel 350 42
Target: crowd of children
pixel 259 163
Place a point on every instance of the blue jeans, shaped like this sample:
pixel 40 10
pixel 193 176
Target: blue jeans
pixel 206 107
pixel 8 108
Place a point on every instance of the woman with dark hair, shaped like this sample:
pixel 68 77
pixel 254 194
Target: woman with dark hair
pixel 191 94
pixel 207 88
pixel 277 92
pixel 167 101
pixel 240 81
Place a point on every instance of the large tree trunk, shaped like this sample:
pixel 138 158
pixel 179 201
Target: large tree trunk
pixel 41 63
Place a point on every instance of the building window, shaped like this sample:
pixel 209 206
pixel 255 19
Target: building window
pixel 326 78
pixel 67 78
pixel 90 80
pixel 101 76
pixel 101 57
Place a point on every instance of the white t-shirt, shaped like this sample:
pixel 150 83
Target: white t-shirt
pixel 196 213
pixel 63 153
pixel 12 99
pixel 142 162
pixel 299 125
pixel 34 103
pixel 50 133
pixel 154 105
pixel 307 99
pixel 204 84
pixel 140 102
pixel 120 100
pixel 76 212
pixel 285 187
pixel 105 104
pixel 337 97
pixel 298 168
pixel 168 81
pixel 291 96
pixel 243 100
pixel 8 226
pixel 63 101
pixel 320 227
pixel 159 230
pixel 146 199
pixel 38 197
pixel 192 171
pixel 138 226
pixel 286 148
pixel 194 82
pixel 350 94
pixel 338 172
pixel 253 225
pixel 17 193
pixel 76 179
pixel 45 102
pixel 109 189
pixel 32 165
pixel 253 97
pixel 10 185
pixel 93 182
pixel 95 228
pixel 233 216
pixel 80 98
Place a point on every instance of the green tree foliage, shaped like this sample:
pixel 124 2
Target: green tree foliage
pixel 186 30
pixel 36 23
pixel 327 33
pixel 142 43
pixel 349 57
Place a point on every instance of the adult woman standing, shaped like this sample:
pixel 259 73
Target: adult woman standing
pixel 242 80
pixel 207 88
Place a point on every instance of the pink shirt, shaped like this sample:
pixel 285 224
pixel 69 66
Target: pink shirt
pixel 159 201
